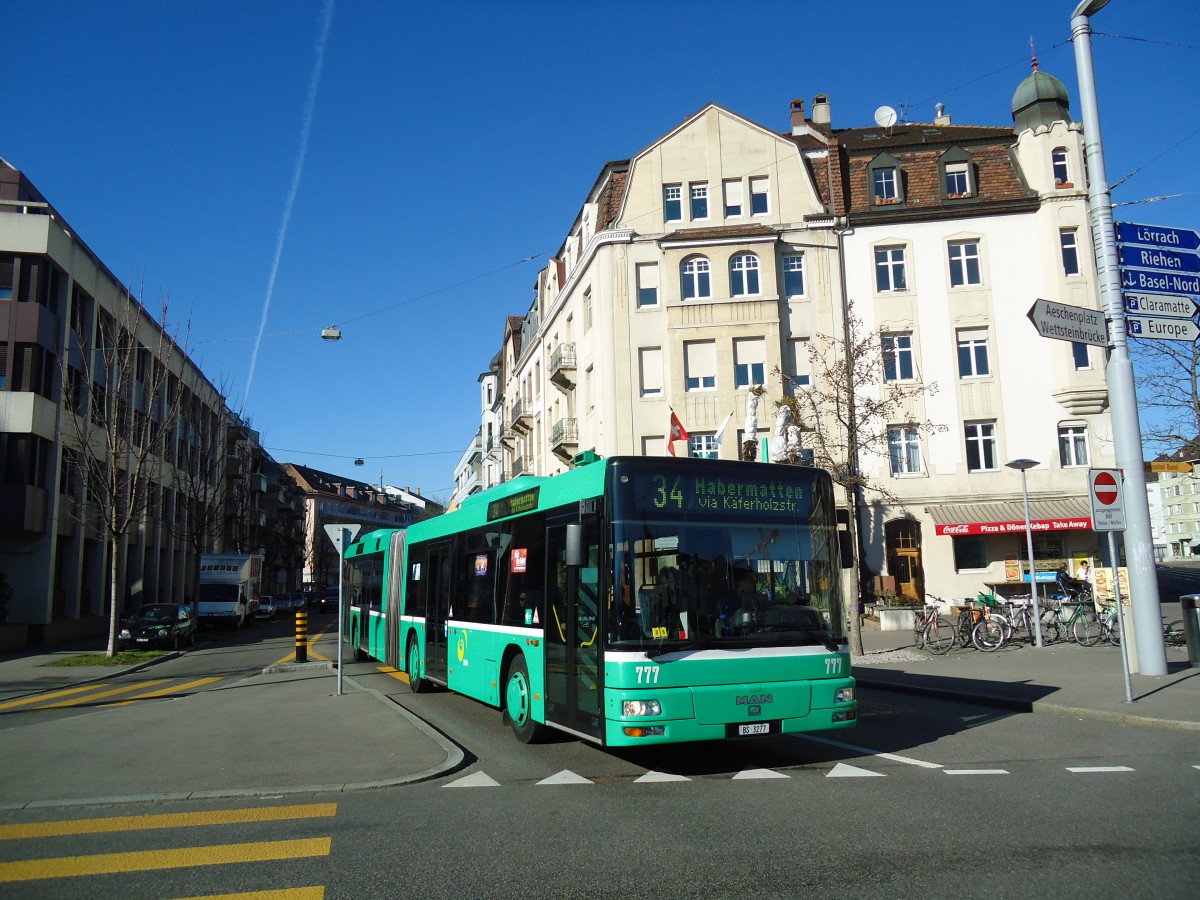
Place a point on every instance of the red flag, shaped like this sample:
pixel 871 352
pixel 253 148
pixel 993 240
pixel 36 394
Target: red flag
pixel 678 433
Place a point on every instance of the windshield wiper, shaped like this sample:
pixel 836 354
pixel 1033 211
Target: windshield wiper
pixel 664 648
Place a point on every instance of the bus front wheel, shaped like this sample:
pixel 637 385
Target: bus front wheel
pixel 413 666
pixel 518 703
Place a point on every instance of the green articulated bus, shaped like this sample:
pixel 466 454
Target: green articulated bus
pixel 629 601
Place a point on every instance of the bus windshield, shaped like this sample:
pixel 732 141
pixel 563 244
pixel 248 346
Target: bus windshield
pixel 691 575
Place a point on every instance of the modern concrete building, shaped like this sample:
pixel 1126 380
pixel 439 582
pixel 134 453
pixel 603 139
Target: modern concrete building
pixel 725 252
pixel 59 308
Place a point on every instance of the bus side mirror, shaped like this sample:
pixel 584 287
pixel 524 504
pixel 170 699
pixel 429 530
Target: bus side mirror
pixel 846 549
pixel 575 549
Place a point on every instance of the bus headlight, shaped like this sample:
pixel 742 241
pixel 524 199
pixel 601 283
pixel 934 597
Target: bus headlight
pixel 843 695
pixel 641 708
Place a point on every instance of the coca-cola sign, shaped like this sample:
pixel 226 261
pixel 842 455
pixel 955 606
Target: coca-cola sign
pixel 1015 527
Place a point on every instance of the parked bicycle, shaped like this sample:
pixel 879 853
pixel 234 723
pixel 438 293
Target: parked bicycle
pixel 997 629
pixel 931 630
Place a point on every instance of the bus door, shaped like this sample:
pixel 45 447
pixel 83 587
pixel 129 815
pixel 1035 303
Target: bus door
pixel 572 633
pixel 437 607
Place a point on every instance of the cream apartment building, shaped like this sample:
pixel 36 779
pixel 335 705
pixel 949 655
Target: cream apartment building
pixel 725 250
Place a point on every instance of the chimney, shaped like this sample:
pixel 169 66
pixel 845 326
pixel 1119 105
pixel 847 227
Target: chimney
pixel 940 117
pixel 798 116
pixel 821 115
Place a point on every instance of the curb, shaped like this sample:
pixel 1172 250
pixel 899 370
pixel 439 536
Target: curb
pixel 1034 706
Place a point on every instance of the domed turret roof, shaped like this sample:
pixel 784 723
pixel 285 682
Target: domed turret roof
pixel 1040 100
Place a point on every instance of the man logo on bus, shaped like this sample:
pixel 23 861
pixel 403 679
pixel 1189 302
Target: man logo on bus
pixel 753 698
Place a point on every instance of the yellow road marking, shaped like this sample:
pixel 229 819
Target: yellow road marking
pixel 312 640
pixel 395 673
pixel 173 689
pixel 168 820
pixel 302 893
pixel 38 698
pixel 151 860
pixel 92 698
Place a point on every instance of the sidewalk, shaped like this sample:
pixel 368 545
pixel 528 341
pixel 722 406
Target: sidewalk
pixel 1061 678
pixel 286 731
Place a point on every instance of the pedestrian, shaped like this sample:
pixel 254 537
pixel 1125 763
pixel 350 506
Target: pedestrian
pixel 1084 572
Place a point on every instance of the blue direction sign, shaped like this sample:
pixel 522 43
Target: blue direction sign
pixel 1156 258
pixel 1159 282
pixel 1158 236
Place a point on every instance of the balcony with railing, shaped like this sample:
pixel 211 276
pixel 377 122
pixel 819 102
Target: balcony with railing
pixel 564 438
pixel 522 419
pixel 518 466
pixel 562 366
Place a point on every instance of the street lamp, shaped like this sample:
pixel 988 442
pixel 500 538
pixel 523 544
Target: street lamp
pixel 1022 465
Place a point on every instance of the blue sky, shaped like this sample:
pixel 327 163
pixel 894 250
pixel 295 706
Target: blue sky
pixel 443 143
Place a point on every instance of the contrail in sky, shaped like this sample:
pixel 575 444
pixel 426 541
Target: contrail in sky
pixel 309 104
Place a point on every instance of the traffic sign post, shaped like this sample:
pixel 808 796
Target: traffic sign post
pixel 1158 236
pixel 341 536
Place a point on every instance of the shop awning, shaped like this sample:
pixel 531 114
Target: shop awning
pixel 1071 514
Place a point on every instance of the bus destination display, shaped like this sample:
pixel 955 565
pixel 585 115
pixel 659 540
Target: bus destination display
pixel 513 505
pixel 670 492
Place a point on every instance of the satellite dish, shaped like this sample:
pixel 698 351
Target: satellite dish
pixel 885 117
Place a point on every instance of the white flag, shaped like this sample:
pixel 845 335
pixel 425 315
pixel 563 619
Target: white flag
pixel 720 433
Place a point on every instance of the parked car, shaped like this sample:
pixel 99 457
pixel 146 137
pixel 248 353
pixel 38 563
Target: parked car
pixel 297 602
pixel 267 608
pixel 328 601
pixel 311 599
pixel 158 625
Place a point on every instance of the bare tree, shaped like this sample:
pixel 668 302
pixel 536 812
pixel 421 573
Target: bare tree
pixel 117 423
pixel 846 411
pixel 1168 387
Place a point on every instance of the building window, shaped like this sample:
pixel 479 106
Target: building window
pixel 759 196
pixel 650 367
pixel 958 180
pixel 969 552
pixel 702 445
pixel 981 446
pixel 694 278
pixel 1072 445
pixel 647 284
pixel 749 362
pixel 700 360
pixel 973 354
pixel 1058 163
pixel 733 198
pixel 889 269
pixel 885 185
pixel 964 263
pixel 672 202
pixel 904 450
pixel 1079 352
pixel 1069 239
pixel 793 275
pixel 800 365
pixel 897 357
pixel 699 194
pixel 743 275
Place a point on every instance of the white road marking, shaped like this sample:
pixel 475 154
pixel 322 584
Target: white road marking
pixel 651 777
pixel 1084 770
pixel 475 779
pixel 907 760
pixel 841 770
pixel 566 776
pixel 975 771
pixel 756 772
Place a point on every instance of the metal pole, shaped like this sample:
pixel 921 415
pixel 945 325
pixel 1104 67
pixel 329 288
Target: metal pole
pixel 1122 394
pixel 1112 554
pixel 344 543
pixel 1037 613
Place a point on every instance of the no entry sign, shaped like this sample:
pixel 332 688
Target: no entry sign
pixel 1104 493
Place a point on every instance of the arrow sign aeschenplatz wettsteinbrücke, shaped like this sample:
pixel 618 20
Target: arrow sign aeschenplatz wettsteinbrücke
pixel 1069 323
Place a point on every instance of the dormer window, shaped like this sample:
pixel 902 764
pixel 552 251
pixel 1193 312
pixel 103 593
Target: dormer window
pixel 885 181
pixel 957 175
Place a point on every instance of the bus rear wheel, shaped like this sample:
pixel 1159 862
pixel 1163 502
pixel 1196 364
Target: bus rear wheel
pixel 518 703
pixel 412 666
